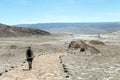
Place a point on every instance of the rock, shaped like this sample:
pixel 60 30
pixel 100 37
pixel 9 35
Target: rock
pixel 65 70
pixel 82 47
pixel 12 66
pixel 6 70
pixel 67 76
pixel 1 74
pixel 78 44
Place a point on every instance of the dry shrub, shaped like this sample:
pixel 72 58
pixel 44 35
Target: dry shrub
pixel 13 46
pixel 96 42
pixel 7 55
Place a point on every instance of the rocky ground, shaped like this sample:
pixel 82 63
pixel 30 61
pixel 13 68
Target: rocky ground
pixel 54 63
pixel 94 67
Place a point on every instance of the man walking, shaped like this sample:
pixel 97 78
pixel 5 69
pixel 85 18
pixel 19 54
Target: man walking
pixel 29 57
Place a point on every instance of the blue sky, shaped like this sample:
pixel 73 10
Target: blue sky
pixel 50 11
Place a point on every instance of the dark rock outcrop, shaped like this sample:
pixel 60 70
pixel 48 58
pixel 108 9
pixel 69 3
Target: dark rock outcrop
pixel 83 47
pixel 13 31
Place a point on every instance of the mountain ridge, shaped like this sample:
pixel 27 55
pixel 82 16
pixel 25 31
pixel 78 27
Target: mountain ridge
pixel 80 28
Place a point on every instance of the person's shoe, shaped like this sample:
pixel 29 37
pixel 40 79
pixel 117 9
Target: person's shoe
pixel 30 68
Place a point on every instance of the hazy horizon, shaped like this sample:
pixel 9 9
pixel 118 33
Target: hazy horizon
pixel 92 28
pixel 67 22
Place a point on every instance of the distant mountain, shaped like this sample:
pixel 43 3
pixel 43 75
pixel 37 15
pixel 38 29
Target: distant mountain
pixel 12 31
pixel 80 28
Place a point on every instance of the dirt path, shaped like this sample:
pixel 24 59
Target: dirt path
pixel 45 67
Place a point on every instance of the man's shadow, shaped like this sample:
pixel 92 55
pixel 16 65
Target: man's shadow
pixel 25 69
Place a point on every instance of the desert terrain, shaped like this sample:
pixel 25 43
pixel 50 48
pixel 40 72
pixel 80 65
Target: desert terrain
pixel 52 61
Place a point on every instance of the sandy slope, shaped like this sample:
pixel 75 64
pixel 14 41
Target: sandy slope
pixel 45 67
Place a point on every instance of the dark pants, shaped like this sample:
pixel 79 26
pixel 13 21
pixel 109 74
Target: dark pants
pixel 29 59
pixel 30 62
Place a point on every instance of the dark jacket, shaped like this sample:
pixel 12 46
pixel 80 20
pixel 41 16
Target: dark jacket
pixel 29 53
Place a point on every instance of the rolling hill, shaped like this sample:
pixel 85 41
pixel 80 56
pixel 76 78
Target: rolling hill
pixel 14 31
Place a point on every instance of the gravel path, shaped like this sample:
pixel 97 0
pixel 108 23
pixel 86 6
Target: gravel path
pixel 45 67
